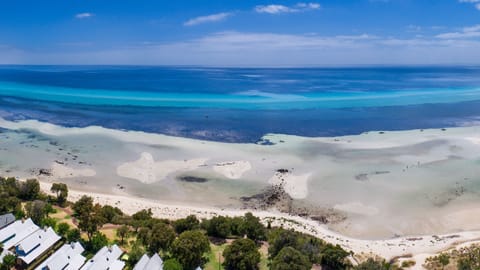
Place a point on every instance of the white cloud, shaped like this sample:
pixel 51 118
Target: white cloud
pixel 465 33
pixel 84 15
pixel 273 50
pixel 207 19
pixel 277 9
pixel 273 9
pixel 476 3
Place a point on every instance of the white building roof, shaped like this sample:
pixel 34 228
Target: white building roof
pixel 68 257
pixel 6 220
pixel 142 262
pixel 105 259
pixel 16 232
pixel 146 263
pixel 36 244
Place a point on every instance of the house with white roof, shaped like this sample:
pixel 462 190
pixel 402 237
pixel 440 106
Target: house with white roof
pixel 16 232
pixel 6 220
pixel 68 257
pixel 35 245
pixel 106 258
pixel 147 263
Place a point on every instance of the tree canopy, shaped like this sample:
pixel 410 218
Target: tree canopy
pixel 186 224
pixel 290 259
pixel 242 254
pixel 189 249
pixel 252 227
pixel 89 216
pixel 61 190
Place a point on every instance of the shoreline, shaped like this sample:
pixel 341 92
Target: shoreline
pixel 411 154
pixel 417 247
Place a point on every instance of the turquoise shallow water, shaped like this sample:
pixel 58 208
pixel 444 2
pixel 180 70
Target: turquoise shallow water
pixel 245 100
pixel 241 105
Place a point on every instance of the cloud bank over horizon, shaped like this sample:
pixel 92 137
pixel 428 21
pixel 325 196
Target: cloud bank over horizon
pixel 270 49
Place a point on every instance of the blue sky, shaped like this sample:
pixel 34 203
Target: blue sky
pixel 240 32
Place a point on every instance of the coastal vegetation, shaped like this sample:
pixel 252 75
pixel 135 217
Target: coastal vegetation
pixel 220 242
pixel 464 258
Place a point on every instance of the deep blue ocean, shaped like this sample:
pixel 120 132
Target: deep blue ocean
pixel 242 104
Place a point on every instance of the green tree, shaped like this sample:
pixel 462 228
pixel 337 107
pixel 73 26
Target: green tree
pixel 73 235
pixel 252 227
pixel 83 206
pixel 218 227
pixel 464 264
pixel 110 213
pixel 37 211
pixel 61 190
pixel 334 257
pixel 62 229
pixel 160 238
pixel 98 241
pixel 48 222
pixel 141 218
pixel 236 226
pixel 280 239
pixel 10 186
pixel 29 190
pixel 190 248
pixel 144 214
pixel 135 254
pixel 123 232
pixel 143 235
pixel 8 262
pixel 89 216
pixel 172 264
pixel 189 223
pixel 444 259
pixel 306 244
pixel 372 264
pixel 290 259
pixel 9 204
pixel 242 254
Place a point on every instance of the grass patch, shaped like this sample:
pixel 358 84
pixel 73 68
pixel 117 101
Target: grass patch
pixel 111 234
pixel 215 257
pixel 264 256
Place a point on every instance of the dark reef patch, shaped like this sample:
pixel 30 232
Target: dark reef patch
pixel 192 179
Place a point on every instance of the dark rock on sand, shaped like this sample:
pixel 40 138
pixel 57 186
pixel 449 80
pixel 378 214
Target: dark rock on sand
pixel 192 179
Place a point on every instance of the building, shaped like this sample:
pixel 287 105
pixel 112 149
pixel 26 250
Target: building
pixel 68 257
pixel 147 263
pixel 6 220
pixel 16 232
pixel 106 258
pixel 35 245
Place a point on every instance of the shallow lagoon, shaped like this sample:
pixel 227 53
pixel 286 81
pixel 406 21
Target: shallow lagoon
pixel 384 184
